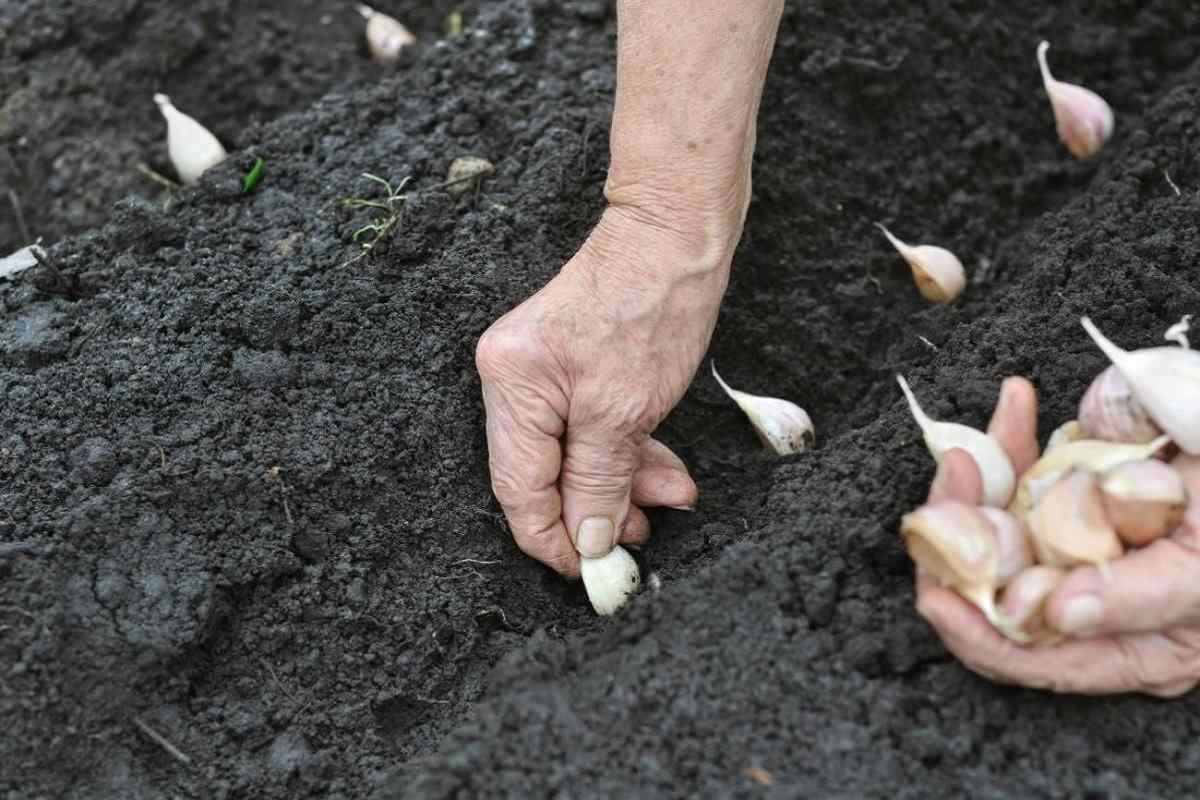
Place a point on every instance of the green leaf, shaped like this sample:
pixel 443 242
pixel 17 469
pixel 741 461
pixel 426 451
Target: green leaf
pixel 251 178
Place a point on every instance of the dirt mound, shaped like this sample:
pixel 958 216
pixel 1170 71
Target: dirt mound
pixel 249 461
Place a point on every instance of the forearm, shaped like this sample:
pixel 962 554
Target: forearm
pixel 689 79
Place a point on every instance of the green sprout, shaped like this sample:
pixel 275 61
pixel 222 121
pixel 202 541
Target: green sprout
pixel 251 178
pixel 387 211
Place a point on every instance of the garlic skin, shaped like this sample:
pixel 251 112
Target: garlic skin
pixel 782 426
pixel 192 148
pixel 939 274
pixel 956 544
pixel 1165 380
pixel 1084 120
pixel 1069 431
pixel 1109 411
pixel 1070 526
pixel 610 580
pixel 1023 603
pixel 940 437
pixel 1144 500
pixel 386 36
pixel 1014 551
pixel 1090 455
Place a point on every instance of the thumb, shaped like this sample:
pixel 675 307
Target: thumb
pixel 597 474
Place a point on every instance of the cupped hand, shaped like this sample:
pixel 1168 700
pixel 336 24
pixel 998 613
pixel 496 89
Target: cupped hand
pixel 577 377
pixel 1136 630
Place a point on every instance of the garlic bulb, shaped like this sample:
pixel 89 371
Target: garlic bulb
pixel 939 274
pixel 386 36
pixel 1084 120
pixel 1086 454
pixel 1069 525
pixel 1109 411
pixel 192 148
pixel 956 544
pixel 782 426
pixel 1023 603
pixel 994 466
pixel 610 579
pixel 1069 431
pixel 1013 549
pixel 1166 381
pixel 1144 500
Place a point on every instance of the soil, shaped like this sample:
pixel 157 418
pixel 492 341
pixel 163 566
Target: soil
pixel 261 556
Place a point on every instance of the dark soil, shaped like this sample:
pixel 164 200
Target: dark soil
pixel 250 462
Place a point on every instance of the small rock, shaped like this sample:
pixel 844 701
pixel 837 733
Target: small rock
pixel 466 172
pixel 95 461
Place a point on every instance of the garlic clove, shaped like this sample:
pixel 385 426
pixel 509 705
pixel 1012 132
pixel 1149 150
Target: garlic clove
pixel 1069 525
pixel 1023 603
pixel 386 36
pixel 1165 380
pixel 1014 552
pixel 1084 120
pixel 1069 431
pixel 192 148
pixel 1109 411
pixel 1144 500
pixel 939 274
pixel 956 544
pixel 940 437
pixel 782 426
pixel 1086 454
pixel 466 172
pixel 610 580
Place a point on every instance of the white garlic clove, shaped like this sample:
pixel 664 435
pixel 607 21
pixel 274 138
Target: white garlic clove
pixel 956 544
pixel 939 274
pixel 1178 332
pixel 1069 431
pixel 386 36
pixel 466 172
pixel 1091 455
pixel 610 580
pixel 1069 525
pixel 1144 499
pixel 1166 381
pixel 782 426
pixel 1014 552
pixel 1109 411
pixel 1023 603
pixel 1084 120
pixel 940 437
pixel 192 148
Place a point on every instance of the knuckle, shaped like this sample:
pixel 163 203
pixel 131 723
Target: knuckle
pixel 501 348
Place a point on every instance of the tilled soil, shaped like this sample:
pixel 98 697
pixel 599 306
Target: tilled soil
pixel 248 459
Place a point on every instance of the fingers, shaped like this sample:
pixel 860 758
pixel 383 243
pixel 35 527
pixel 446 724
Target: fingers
pixel 637 528
pixel 662 479
pixel 596 481
pixel 1014 422
pixel 957 478
pixel 1150 589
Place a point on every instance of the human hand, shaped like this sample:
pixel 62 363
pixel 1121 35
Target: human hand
pixel 1138 630
pixel 577 377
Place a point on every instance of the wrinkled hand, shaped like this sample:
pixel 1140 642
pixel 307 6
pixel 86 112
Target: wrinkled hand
pixel 1139 629
pixel 577 377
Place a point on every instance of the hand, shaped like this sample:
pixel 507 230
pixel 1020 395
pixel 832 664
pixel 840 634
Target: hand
pixel 577 376
pixel 1137 631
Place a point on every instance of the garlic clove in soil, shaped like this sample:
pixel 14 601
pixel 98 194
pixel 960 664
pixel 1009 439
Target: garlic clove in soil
pixel 940 437
pixel 1085 454
pixel 1165 380
pixel 939 274
pixel 466 172
pixel 1144 500
pixel 1084 120
pixel 1069 431
pixel 1070 526
pixel 1109 411
pixel 192 148
pixel 1014 552
pixel 782 426
pixel 610 580
pixel 386 36
pixel 956 544
pixel 1023 602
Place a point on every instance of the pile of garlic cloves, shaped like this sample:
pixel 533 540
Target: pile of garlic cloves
pixel 1118 477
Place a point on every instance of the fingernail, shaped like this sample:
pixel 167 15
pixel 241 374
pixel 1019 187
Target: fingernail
pixel 683 508
pixel 1082 615
pixel 595 537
